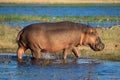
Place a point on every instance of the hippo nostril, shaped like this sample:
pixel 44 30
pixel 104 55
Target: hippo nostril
pixel 100 46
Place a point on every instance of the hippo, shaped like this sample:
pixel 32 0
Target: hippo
pixel 57 36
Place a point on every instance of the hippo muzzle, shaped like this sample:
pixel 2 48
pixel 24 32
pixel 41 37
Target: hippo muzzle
pixel 97 47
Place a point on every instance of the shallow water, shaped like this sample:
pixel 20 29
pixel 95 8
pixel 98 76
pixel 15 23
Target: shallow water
pixel 55 69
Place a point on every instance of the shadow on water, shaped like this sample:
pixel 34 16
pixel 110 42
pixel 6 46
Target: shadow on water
pixel 56 69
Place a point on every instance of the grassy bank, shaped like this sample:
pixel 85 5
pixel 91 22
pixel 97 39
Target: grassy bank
pixel 110 36
pixel 44 18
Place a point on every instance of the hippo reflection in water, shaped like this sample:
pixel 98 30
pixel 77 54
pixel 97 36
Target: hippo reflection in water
pixel 53 37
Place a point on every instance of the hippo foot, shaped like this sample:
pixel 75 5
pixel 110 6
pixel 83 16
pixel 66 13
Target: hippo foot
pixel 34 59
pixel 78 56
pixel 75 60
pixel 21 61
pixel 64 61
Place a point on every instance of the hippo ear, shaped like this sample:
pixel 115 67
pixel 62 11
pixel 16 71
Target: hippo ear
pixel 91 30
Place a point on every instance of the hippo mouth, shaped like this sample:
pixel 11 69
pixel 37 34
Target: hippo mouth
pixel 97 47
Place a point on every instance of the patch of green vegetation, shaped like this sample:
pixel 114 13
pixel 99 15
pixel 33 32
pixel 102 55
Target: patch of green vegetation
pixel 110 37
pixel 87 5
pixel 45 18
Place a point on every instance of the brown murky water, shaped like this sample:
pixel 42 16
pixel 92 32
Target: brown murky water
pixel 54 69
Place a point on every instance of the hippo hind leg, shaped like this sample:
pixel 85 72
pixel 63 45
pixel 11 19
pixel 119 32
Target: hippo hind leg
pixel 20 52
pixel 36 53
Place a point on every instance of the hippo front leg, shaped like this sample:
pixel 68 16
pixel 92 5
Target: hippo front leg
pixel 64 56
pixel 75 51
pixel 65 53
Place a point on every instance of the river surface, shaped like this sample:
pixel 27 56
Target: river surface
pixel 92 10
pixel 55 69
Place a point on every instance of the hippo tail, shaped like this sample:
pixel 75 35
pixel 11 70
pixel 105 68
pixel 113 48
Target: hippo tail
pixel 18 36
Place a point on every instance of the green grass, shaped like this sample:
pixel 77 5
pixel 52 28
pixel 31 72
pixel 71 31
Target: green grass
pixel 110 37
pixel 45 18
pixel 87 5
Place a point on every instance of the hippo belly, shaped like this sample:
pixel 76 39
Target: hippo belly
pixel 53 40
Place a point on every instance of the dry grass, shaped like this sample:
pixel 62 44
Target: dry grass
pixel 8 37
pixel 59 1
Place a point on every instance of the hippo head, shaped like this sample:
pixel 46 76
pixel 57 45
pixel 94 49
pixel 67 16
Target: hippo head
pixel 93 40
pixel 97 45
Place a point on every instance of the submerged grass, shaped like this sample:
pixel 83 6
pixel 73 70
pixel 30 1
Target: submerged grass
pixel 45 18
pixel 109 36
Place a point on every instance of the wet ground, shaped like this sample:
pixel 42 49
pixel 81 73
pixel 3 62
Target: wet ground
pixel 55 69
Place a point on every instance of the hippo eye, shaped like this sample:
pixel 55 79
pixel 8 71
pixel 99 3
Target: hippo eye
pixel 93 33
